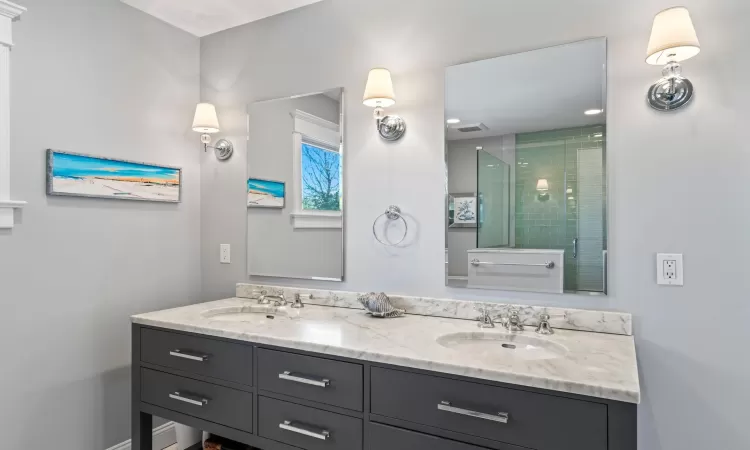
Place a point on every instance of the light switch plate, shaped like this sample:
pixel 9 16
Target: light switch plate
pixel 225 254
pixel 669 269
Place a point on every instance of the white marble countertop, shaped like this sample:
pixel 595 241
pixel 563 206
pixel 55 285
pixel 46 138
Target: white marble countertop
pixel 595 364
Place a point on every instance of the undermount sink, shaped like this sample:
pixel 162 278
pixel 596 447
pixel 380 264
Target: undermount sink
pixel 245 313
pixel 502 346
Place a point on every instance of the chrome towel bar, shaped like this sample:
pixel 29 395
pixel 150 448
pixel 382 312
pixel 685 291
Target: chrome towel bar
pixel 547 265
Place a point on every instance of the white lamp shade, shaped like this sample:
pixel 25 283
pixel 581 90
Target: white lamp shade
pixel 205 120
pixel 542 185
pixel 379 89
pixel 673 37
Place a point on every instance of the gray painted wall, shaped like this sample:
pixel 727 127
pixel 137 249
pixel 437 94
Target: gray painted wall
pixel 274 246
pixel 91 76
pixel 678 181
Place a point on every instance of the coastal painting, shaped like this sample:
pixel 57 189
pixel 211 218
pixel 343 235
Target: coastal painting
pixel 79 175
pixel 265 193
pixel 462 211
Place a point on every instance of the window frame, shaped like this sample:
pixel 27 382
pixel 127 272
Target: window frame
pixel 313 130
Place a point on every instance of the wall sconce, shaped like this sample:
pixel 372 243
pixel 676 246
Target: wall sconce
pixel 673 39
pixel 206 122
pixel 379 95
pixel 542 187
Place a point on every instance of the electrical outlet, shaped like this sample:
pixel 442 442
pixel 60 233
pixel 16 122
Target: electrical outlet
pixel 225 255
pixel 669 269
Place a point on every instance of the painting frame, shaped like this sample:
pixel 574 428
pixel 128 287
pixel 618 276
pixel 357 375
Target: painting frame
pixel 282 205
pixel 453 200
pixel 52 192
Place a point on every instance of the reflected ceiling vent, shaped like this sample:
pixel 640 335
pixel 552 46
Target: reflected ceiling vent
pixel 472 128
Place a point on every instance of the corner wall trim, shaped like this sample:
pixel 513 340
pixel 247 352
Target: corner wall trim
pixel 163 437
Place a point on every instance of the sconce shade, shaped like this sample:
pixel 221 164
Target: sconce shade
pixel 542 185
pixel 673 37
pixel 205 120
pixel 379 89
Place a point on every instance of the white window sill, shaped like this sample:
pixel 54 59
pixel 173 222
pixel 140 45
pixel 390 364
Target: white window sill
pixel 313 220
pixel 6 212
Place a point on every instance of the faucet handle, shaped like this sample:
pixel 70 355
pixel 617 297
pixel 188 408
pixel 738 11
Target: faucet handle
pixel 544 327
pixel 485 318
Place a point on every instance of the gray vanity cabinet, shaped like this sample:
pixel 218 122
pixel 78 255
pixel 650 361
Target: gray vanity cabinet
pixel 281 399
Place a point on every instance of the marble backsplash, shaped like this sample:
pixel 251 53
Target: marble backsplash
pixel 562 318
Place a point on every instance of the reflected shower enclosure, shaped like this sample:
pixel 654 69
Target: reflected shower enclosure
pixel 531 145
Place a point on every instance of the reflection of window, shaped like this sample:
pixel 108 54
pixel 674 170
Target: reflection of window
pixel 318 167
pixel 321 178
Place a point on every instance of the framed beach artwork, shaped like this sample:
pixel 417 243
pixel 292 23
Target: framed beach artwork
pixel 265 193
pixel 462 210
pixel 79 175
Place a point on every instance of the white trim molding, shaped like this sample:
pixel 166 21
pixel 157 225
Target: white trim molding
pixel 163 437
pixel 8 13
pixel 312 130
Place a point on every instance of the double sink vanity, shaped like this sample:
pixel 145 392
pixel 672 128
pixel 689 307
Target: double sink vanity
pixel 329 376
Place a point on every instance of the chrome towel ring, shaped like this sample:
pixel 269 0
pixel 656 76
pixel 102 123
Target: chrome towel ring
pixel 392 213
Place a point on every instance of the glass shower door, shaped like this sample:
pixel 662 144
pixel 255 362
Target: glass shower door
pixel 493 190
pixel 585 211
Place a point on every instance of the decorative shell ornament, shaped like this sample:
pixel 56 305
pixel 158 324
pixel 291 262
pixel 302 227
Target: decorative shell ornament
pixel 379 305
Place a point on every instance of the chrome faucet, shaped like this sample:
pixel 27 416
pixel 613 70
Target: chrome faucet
pixel 513 321
pixel 485 318
pixel 298 301
pixel 544 326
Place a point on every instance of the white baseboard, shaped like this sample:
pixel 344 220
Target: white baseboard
pixel 163 437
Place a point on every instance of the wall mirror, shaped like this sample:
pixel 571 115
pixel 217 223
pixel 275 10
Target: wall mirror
pixel 526 204
pixel 295 208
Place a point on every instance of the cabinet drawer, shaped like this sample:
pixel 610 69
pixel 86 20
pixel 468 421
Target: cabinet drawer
pixel 308 428
pixel 384 437
pixel 317 379
pixel 202 356
pixel 207 401
pixel 538 421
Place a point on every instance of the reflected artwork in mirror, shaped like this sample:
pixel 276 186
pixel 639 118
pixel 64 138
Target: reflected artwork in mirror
pixel 526 138
pixel 297 142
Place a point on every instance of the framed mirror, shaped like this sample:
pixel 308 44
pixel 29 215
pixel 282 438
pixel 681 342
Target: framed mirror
pixel 526 137
pixel 295 187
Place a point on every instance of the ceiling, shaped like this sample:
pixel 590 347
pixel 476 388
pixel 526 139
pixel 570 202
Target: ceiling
pixel 204 17
pixel 545 89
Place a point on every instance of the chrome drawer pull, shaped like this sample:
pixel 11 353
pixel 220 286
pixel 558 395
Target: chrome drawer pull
pixel 500 417
pixel 289 376
pixel 187 399
pixel 287 425
pixel 186 355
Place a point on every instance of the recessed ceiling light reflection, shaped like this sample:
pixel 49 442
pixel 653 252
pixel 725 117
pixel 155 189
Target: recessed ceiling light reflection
pixel 593 112
pixel 453 121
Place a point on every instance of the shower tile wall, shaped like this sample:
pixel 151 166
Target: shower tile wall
pixel 552 223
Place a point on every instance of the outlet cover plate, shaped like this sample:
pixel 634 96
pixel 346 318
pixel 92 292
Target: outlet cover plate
pixel 669 269
pixel 225 255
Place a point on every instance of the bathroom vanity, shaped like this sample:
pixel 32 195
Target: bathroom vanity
pixel 328 376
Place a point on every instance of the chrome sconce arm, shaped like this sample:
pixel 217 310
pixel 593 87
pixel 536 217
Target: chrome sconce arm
pixel 223 148
pixel 390 128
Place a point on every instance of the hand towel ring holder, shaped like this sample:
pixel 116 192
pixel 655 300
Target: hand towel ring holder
pixel 392 213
